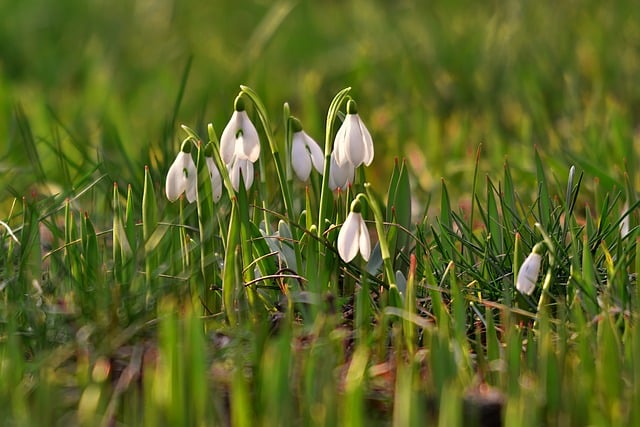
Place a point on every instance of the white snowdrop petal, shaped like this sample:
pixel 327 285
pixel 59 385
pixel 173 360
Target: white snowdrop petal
pixel 216 180
pixel 364 241
pixel 332 184
pixel 300 158
pixel 528 274
pixel 234 176
pixel 340 176
pixel 317 156
pixel 175 183
pixel 348 239
pixel 340 142
pixel 247 173
pixel 191 190
pixel 354 148
pixel 217 189
pixel 368 143
pixel 244 167
pixel 228 138
pixel 239 147
pixel 191 178
pixel 625 225
pixel 234 172
pixel 251 141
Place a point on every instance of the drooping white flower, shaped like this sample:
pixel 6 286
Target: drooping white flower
pixel 353 143
pixel 340 176
pixel 182 175
pixel 238 167
pixel 529 271
pixel 354 236
pixel 216 179
pixel 240 137
pixel 305 152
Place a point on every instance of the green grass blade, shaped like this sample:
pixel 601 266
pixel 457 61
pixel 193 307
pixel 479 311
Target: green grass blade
pixel 544 200
pixel 149 226
pixel 231 270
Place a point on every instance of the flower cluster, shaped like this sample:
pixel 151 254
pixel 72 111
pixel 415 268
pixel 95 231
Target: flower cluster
pixel 182 175
pixel 240 149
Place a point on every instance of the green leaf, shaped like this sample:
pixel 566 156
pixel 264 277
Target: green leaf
pixel 149 226
pixel 493 219
pixel 207 227
pixel 325 192
pixel 544 200
pixel 399 212
pixel 263 253
pixel 408 327
pixel 231 273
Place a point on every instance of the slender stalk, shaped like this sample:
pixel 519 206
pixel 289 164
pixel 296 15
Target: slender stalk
pixel 325 191
pixel 280 172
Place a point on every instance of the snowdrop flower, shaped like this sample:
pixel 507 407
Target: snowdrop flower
pixel 353 143
pixel 354 236
pixel 340 176
pixel 240 137
pixel 529 271
pixel 182 174
pixel 240 166
pixel 305 152
pixel 214 173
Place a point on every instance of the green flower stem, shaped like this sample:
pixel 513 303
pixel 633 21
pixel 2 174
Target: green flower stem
pixel 409 329
pixel 325 191
pixel 288 136
pixel 324 209
pixel 206 226
pixel 130 233
pixel 118 237
pixel 230 273
pixel 548 279
pixel 384 247
pixel 149 225
pixel 280 172
pixel 246 247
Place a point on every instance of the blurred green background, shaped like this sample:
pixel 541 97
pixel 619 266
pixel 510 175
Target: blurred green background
pixel 92 87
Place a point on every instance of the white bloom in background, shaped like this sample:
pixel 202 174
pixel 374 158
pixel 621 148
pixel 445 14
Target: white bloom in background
pixel 216 179
pixel 237 167
pixel 353 143
pixel 182 175
pixel 305 153
pixel 625 223
pixel 529 271
pixel 340 176
pixel 240 137
pixel 354 236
